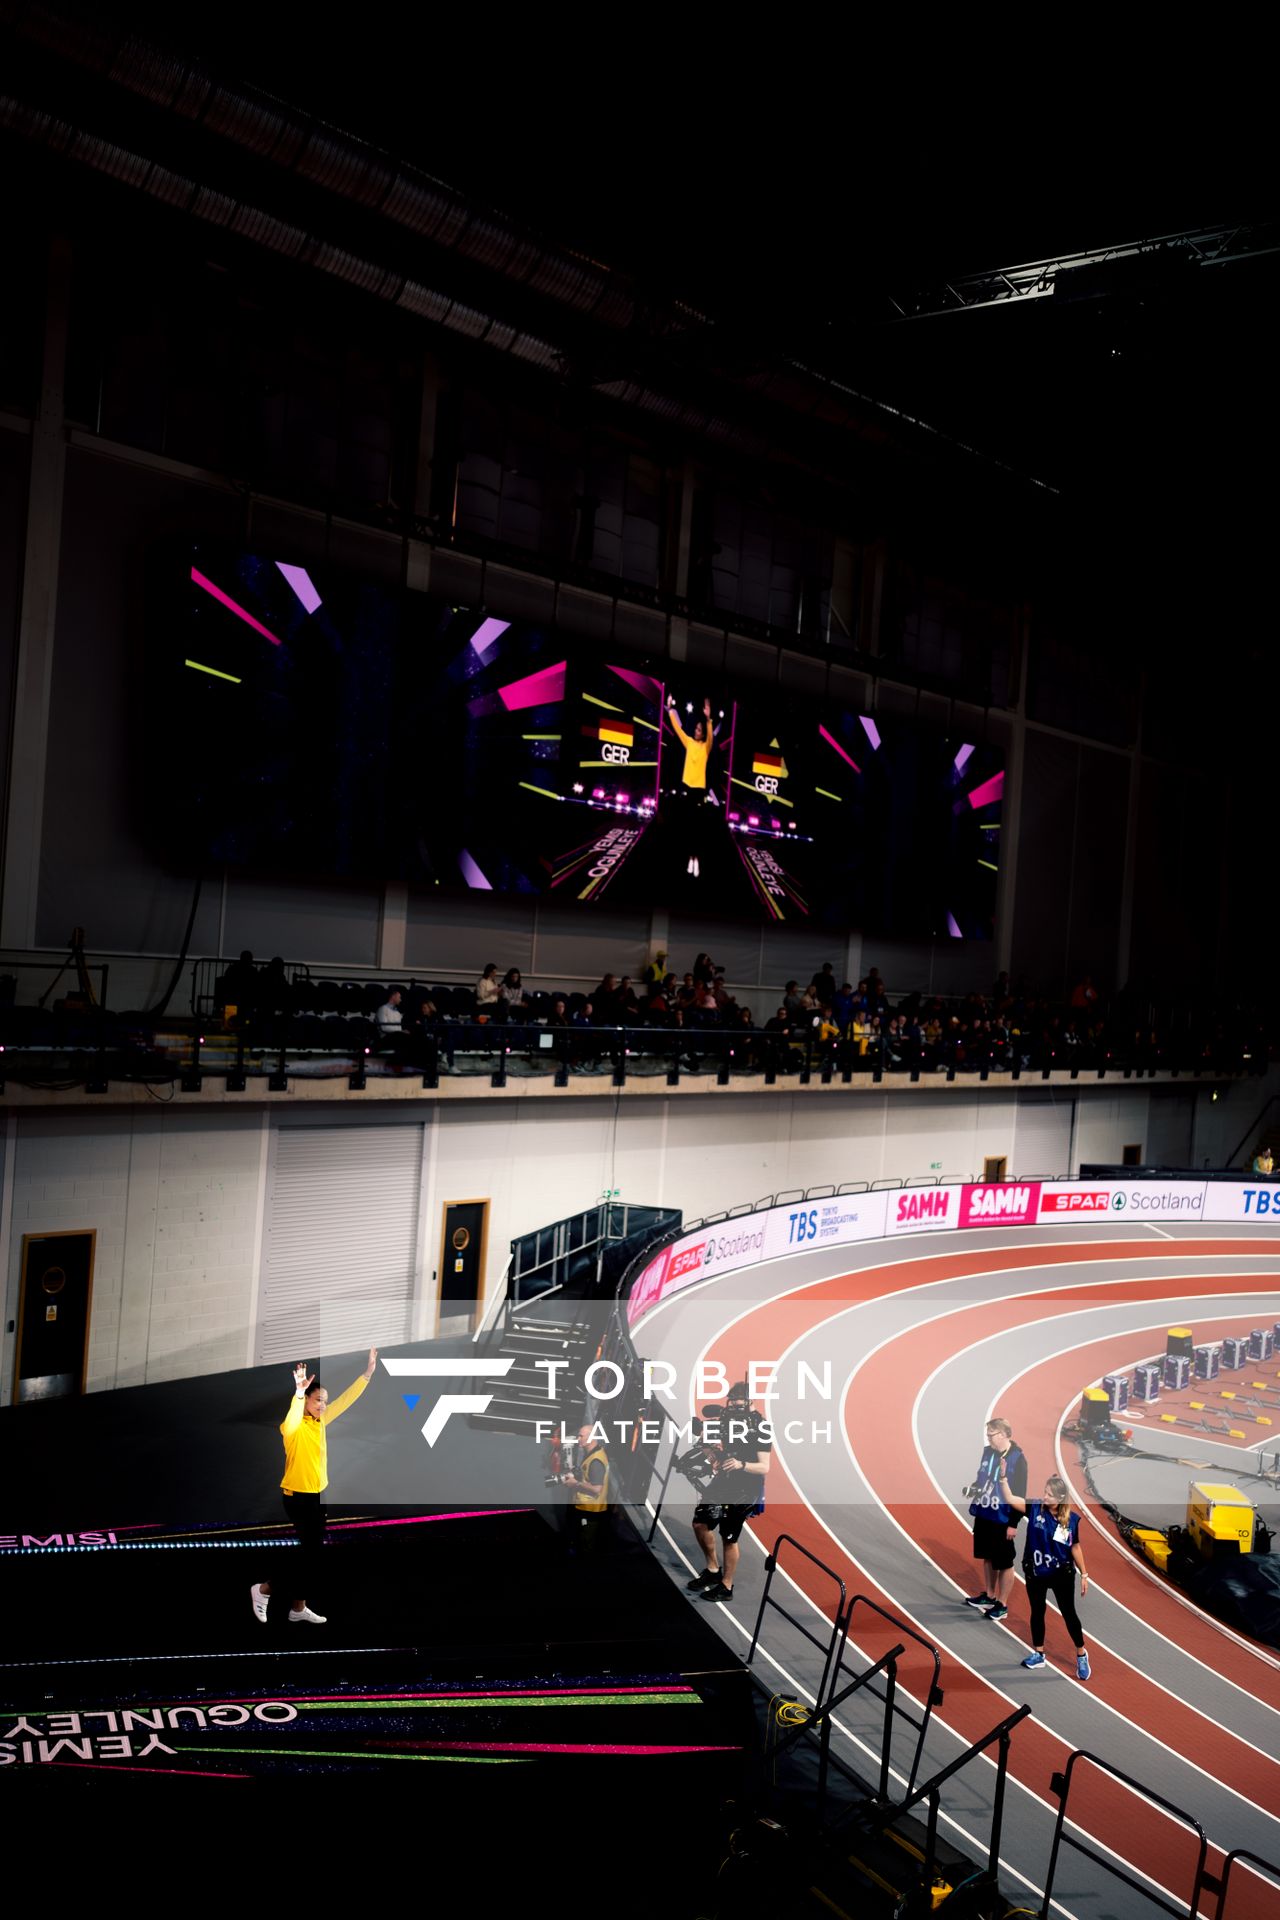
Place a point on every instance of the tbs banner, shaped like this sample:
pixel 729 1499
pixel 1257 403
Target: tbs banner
pixel 734 1244
pixel 731 1245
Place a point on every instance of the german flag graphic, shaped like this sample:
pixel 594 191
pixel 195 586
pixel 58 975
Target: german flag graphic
pixel 769 760
pixel 619 733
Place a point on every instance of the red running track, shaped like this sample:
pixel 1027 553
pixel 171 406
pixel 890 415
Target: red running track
pixel 878 1411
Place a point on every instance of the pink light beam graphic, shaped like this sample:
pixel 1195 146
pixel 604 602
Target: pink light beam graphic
pixel 300 580
pixel 535 690
pixel 232 607
pixel 839 749
pixel 472 874
pixel 486 633
pixel 992 789
pixel 872 732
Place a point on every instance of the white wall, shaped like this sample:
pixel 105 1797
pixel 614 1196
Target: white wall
pixel 177 1198
pixel 174 1199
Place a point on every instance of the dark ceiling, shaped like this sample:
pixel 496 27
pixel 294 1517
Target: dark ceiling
pixel 789 190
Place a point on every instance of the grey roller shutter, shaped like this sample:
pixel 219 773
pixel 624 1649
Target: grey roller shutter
pixel 340 1237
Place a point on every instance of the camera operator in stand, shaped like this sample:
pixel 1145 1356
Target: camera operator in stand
pixel 736 1492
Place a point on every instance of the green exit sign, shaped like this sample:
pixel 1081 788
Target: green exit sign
pixel 935 1166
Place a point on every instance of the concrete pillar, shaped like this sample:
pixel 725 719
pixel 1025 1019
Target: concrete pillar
pixel 33 675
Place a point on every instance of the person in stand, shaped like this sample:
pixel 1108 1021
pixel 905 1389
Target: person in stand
pixel 608 1002
pixel 589 1485
pixel 656 971
pixel 306 1475
pixel 488 990
pixel 733 1496
pixel 273 987
pixel 585 1054
pixel 388 1019
pixel 995 1523
pixel 512 999
pixel 776 1052
pixel 1050 1560
pixel 424 1023
pixel 1263 1161
pixel 693 777
pixel 823 984
pixel 238 987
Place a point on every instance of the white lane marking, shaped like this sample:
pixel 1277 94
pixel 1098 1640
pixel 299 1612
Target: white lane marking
pixel 1131 1559
pixel 1162 1231
pixel 1093 1697
pixel 1167 1587
pixel 981 1849
pixel 1057 1267
pixel 1021 1326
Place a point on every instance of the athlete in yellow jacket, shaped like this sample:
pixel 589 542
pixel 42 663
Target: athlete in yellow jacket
pixel 693 780
pixel 306 1475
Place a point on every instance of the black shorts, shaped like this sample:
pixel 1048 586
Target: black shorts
pixel 991 1542
pixel 729 1521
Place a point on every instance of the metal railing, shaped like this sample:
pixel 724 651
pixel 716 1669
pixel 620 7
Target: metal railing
pixel 932 1693
pixel 1061 1785
pixel 766 1601
pixel 1251 1861
pixel 931 1791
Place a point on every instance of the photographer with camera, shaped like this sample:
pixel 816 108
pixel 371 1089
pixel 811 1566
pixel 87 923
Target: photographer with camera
pixel 734 1443
pixel 1002 1471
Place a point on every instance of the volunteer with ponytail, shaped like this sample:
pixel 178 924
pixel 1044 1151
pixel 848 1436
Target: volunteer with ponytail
pixel 1053 1552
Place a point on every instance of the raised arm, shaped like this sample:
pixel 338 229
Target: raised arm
pixel 1007 1494
pixel 353 1392
pixel 680 732
pixel 301 1384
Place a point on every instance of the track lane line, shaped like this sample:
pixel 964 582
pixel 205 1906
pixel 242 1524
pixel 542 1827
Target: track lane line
pixel 999 1260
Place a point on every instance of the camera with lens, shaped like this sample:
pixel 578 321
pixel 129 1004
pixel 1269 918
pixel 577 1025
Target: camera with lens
pixel 563 1462
pixel 705 1457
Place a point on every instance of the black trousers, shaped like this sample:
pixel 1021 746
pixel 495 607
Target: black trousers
pixel 1063 1588
pixel 305 1515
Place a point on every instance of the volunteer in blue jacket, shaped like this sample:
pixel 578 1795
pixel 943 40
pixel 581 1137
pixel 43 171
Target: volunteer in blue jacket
pixel 995 1522
pixel 1049 1561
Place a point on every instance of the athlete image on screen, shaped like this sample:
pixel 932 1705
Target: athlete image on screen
pixel 693 777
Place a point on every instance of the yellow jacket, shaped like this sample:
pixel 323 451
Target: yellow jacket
pixel 588 1498
pixel 696 755
pixel 306 1462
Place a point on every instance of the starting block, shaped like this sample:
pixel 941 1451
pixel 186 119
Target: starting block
pixel 1227 1394
pixel 1171 1417
pixel 1263 1419
pixel 1197 1406
pixel 1234 1433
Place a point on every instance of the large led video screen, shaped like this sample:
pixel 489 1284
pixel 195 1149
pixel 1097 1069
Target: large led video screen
pixel 333 727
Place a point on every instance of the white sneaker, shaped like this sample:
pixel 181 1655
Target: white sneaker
pixel 259 1600
pixel 305 1613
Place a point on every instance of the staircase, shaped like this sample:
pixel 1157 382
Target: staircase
pixel 520 1397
